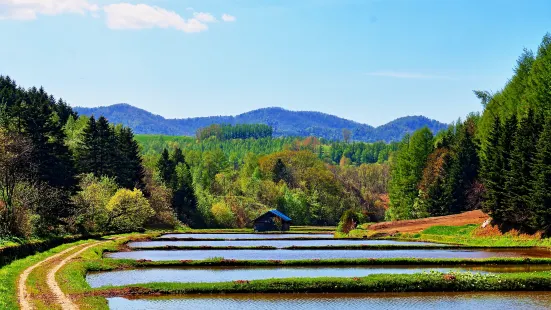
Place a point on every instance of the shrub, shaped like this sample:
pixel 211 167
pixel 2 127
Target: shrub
pixel 223 214
pixel 128 210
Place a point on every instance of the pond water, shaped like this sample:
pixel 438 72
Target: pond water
pixel 159 255
pixel 274 243
pixel 421 301
pixel 247 236
pixel 226 274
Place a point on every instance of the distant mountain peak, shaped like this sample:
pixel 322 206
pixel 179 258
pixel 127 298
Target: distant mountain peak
pixel 285 123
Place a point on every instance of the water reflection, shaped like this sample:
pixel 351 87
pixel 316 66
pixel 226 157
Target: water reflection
pixel 247 236
pixel 226 274
pixel 159 255
pixel 273 243
pixel 414 301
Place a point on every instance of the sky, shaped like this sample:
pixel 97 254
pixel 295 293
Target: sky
pixel 370 61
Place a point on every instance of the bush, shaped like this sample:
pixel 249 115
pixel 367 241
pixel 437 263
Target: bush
pixel 91 202
pixel 223 215
pixel 128 210
pixel 348 222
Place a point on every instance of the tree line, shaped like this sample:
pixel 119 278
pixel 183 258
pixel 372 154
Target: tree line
pixel 239 131
pixel 61 173
pixel 498 161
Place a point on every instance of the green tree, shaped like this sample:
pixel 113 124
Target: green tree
pixel 165 166
pixel 519 177
pixel 129 170
pixel 541 183
pixel 406 172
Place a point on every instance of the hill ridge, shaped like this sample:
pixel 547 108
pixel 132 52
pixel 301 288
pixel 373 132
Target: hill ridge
pixel 285 123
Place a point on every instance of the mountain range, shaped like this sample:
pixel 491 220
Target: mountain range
pixel 284 122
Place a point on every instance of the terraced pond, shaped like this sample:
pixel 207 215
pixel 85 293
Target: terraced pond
pixel 246 236
pixel 417 301
pixel 274 243
pixel 227 274
pixel 279 254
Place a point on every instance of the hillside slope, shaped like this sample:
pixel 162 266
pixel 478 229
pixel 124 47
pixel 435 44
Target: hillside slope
pixel 284 122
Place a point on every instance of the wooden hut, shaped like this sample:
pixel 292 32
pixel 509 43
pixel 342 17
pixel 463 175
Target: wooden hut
pixel 272 220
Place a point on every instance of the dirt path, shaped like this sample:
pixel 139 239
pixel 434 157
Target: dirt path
pixel 24 296
pixel 414 226
pixel 63 300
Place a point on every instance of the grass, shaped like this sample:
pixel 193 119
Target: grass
pixel 123 264
pixel 424 282
pixel 72 276
pixel 466 235
pixel 10 273
pixel 465 230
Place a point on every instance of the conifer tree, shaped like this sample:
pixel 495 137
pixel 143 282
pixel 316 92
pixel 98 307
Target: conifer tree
pixel 184 200
pixel 280 172
pixel 88 149
pixel 130 172
pixel 519 177
pixel 165 167
pixel 541 184
pixel 107 148
pixel 492 169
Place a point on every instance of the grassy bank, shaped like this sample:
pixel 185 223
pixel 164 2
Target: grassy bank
pixel 120 264
pixel 466 235
pixel 425 282
pixel 10 273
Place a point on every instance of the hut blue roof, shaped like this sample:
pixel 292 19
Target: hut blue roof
pixel 278 214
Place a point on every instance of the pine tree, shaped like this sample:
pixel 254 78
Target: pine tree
pixel 107 149
pixel 184 200
pixel 130 172
pixel 88 149
pixel 519 177
pixel 280 172
pixel 463 170
pixel 165 166
pixel 541 184
pixel 178 156
pixel 492 169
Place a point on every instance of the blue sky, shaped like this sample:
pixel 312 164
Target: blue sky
pixel 366 60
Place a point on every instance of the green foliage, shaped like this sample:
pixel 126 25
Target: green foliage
pixel 540 198
pixel 108 151
pixel 406 172
pixel 239 131
pixel 465 230
pixel 92 201
pixel 348 221
pixel 128 210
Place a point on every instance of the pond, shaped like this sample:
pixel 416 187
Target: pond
pixel 280 254
pixel 414 301
pixel 247 236
pixel 274 243
pixel 226 274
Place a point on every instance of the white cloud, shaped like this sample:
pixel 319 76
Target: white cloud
pixel 228 18
pixel 30 9
pixel 407 75
pixel 204 17
pixel 142 16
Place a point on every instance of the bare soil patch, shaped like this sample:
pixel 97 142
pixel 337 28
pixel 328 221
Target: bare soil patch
pixel 414 226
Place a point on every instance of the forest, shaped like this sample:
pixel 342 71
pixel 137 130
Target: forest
pixel 64 173
pixel 498 161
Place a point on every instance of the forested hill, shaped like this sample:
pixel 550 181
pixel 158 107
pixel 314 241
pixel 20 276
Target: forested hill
pixel 284 122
